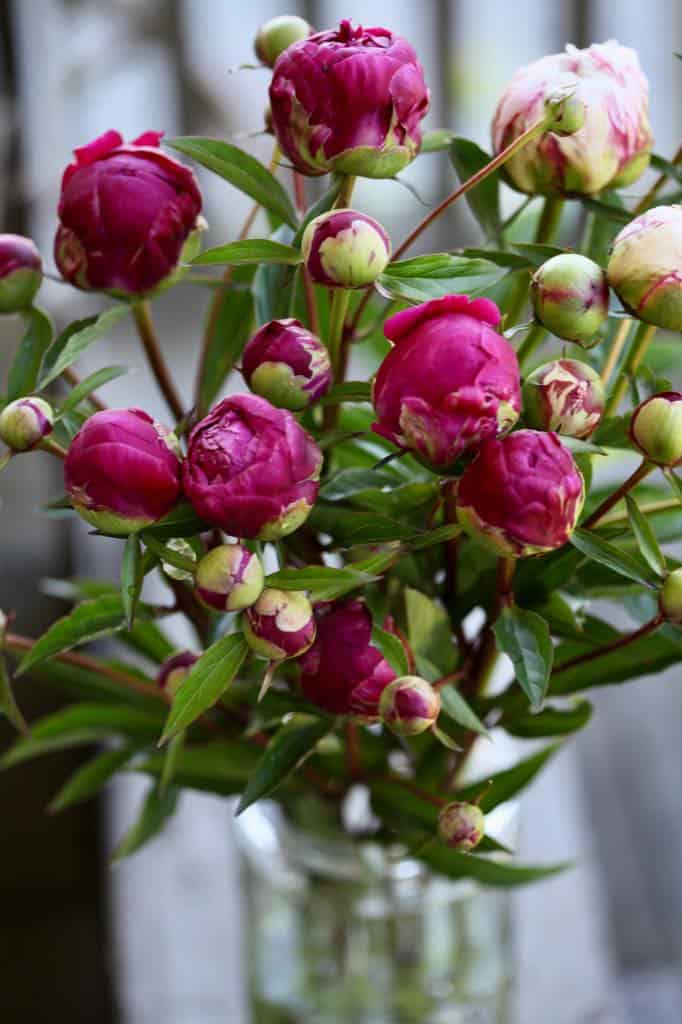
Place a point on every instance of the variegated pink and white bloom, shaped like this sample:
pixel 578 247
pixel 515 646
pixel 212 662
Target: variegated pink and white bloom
pixel 613 146
pixel 645 267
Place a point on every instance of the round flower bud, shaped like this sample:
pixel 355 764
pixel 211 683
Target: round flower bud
pixel 280 624
pixel 286 364
pixel 343 672
pixel 229 578
pixel 174 671
pixel 521 495
pixel 21 272
pixel 670 597
pixel 461 826
pixel 251 469
pixel 122 472
pixel 125 214
pixel 277 34
pixel 349 100
pixel 570 296
pixel 450 382
pixel 409 705
pixel 645 267
pixel 566 396
pixel 609 149
pixel 25 422
pixel 656 428
pixel 345 249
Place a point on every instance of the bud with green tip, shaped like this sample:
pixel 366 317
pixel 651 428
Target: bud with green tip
pixel 656 428
pixel 345 249
pixel 645 267
pixel 566 396
pixel 230 578
pixel 280 624
pixel 24 423
pixel 277 34
pixel 564 112
pixel 461 826
pixel 570 296
pixel 409 705
pixel 287 364
pixel 21 272
pixel 670 598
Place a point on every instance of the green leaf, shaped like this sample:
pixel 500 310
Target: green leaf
pixel 206 682
pixel 429 630
pixel 524 636
pixel 156 809
pixel 90 384
pixel 250 250
pixel 242 170
pixel 435 141
pixel 599 550
pixel 484 199
pixel 392 650
pixel 8 705
pixel 440 535
pixel 170 764
pixel 88 780
pixel 675 483
pixel 131 577
pixel 77 338
pixel 499 788
pixel 646 656
pixel 230 328
pixel 645 537
pixel 665 166
pixel 550 721
pixel 455 706
pixel 537 252
pixel 615 213
pixel 88 621
pixel 430 277
pixel 273 284
pixel 25 367
pixel 285 752
pixel 500 258
pixel 349 482
pixel 217 767
pixel 486 870
pixel 323 582
pixel 181 522
pixel 349 391
pixel 167 554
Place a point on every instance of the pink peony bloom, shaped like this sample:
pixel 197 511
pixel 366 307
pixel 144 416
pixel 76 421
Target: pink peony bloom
pixel 287 364
pixel 125 213
pixel 450 382
pixel 349 100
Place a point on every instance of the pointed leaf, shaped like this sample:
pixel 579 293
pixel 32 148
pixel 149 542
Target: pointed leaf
pixel 249 250
pixel 454 705
pixel 71 345
pixel 549 722
pixel 524 636
pixel 25 367
pixel 206 682
pixel 131 577
pixel 675 483
pixel 88 780
pixel 323 582
pixel 349 391
pixel 435 141
pixel 156 809
pixel 170 764
pixel 484 199
pixel 392 650
pixel 8 705
pixel 645 537
pixel 242 170
pixel 487 870
pixel 88 621
pixel 285 752
pixel 606 553
pixel 90 384
pixel 498 788
pixel 430 277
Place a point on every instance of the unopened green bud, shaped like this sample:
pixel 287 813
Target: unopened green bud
pixel 461 826
pixel 24 423
pixel 670 598
pixel 570 297
pixel 656 428
pixel 564 112
pixel 276 35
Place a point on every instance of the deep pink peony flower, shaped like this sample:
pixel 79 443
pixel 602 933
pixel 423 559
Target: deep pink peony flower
pixel 251 469
pixel 342 672
pixel 174 670
pixel 349 100
pixel 521 495
pixel 21 272
pixel 612 147
pixel 287 364
pixel 122 472
pixel 345 249
pixel 450 382
pixel 125 212
pixel 280 624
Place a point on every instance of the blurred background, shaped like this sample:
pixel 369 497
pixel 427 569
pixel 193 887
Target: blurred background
pixel 158 938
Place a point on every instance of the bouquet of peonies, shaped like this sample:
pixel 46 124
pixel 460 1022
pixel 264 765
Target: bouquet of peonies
pixel 382 571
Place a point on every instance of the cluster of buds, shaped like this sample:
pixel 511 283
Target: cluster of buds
pixel 21 272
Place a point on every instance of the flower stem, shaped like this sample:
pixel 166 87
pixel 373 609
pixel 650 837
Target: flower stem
pixel 548 226
pixel 48 445
pixel 638 349
pixel 159 367
pixel 614 355
pixel 648 199
pixel 337 320
pixel 308 289
pixel 534 338
pixel 622 641
pixel 648 509
pixel 346 192
pixel 74 380
pixel 642 470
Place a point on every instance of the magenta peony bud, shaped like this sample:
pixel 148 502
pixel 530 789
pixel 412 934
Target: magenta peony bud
pixel 349 100
pixel 461 826
pixel 611 148
pixel 229 578
pixel 521 495
pixel 566 396
pixel 570 296
pixel 251 469
pixel 656 428
pixel 345 249
pixel 286 364
pixel 125 212
pixel 409 706
pixel 21 272
pixel 343 672
pixel 645 267
pixel 280 624
pixel 174 671
pixel 25 422
pixel 450 382
pixel 122 472
pixel 277 34
pixel 670 598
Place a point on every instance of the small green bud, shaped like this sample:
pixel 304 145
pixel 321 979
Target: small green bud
pixel 25 422
pixel 230 578
pixel 461 826
pixel 564 112
pixel 656 428
pixel 570 297
pixel 277 34
pixel 670 598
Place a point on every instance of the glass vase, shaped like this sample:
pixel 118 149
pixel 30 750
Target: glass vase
pixel 341 931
